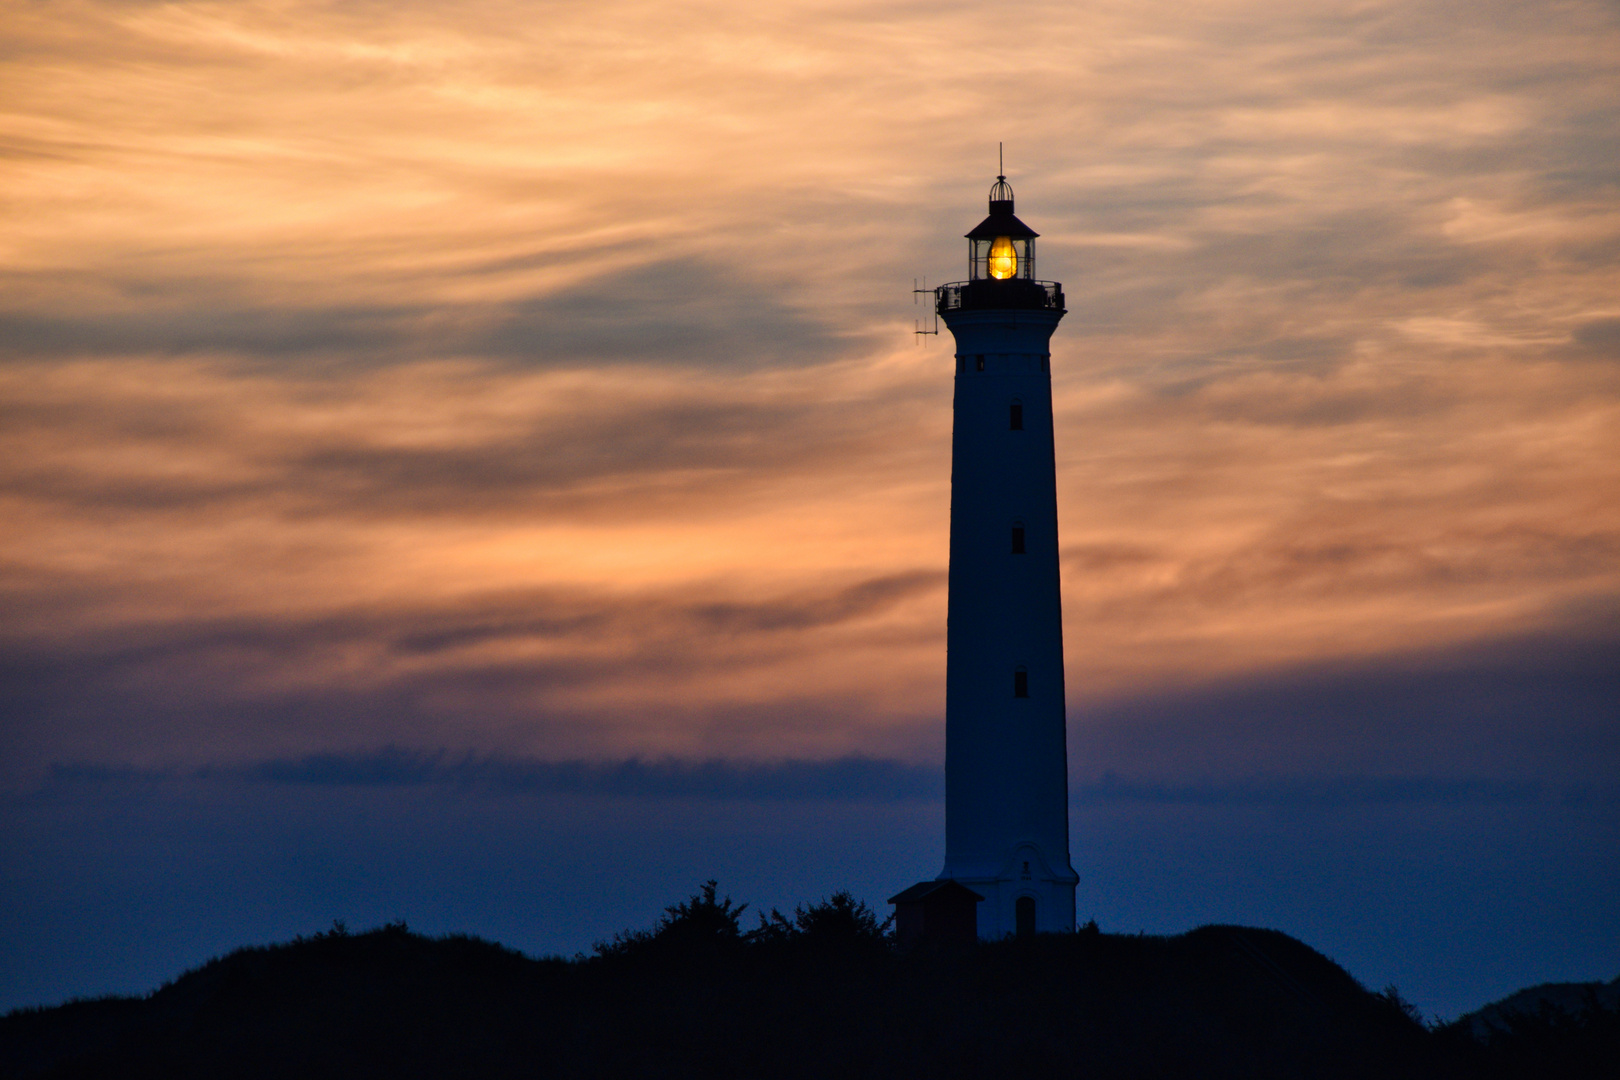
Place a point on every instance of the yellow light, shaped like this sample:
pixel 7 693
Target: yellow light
pixel 1003 259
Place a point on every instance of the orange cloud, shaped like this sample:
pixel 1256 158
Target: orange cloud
pixel 547 371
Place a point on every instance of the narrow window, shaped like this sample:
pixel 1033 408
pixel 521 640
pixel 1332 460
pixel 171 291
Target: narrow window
pixel 979 359
pixel 1046 361
pixel 1021 683
pixel 1015 417
pixel 1024 916
pixel 961 364
pixel 1018 539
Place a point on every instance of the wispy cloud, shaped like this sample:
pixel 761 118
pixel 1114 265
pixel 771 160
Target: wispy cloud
pixel 687 313
pixel 541 379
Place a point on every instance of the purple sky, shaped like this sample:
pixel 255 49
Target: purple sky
pixel 471 464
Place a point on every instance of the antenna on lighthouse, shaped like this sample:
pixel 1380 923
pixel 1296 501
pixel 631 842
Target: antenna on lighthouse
pixel 918 322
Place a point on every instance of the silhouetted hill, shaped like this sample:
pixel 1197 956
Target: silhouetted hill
pixel 1555 1029
pixel 1568 998
pixel 817 994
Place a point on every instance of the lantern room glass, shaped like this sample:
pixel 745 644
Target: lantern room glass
pixel 1002 258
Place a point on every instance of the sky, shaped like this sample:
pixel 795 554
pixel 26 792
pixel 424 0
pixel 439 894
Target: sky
pixel 474 464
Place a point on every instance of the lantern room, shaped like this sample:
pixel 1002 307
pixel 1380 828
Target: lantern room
pixel 1001 248
pixel 1001 265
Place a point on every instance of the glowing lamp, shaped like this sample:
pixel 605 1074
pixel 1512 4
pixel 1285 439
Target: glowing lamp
pixel 1003 260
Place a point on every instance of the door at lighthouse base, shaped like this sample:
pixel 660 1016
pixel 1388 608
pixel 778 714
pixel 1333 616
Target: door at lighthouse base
pixel 1024 916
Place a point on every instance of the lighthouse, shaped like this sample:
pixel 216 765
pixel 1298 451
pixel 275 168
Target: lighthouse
pixel 1006 767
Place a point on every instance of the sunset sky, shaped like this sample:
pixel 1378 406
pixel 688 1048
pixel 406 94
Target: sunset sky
pixel 472 464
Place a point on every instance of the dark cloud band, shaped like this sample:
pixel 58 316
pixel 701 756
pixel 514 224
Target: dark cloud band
pixel 862 779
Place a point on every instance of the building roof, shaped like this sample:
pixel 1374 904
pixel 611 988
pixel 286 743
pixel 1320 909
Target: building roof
pixel 1002 222
pixel 936 889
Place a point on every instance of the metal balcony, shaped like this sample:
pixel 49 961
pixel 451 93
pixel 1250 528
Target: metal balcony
pixel 988 294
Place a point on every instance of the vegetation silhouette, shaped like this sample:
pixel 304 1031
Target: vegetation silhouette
pixel 821 992
pixel 1519 1039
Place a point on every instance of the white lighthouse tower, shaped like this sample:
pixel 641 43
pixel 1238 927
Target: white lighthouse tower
pixel 1006 767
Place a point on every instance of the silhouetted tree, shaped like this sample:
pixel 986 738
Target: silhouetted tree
pixel 840 921
pixel 703 917
pixel 703 922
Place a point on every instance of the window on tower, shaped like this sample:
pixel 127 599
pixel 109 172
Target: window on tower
pixel 1021 683
pixel 979 360
pixel 1018 538
pixel 1015 416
